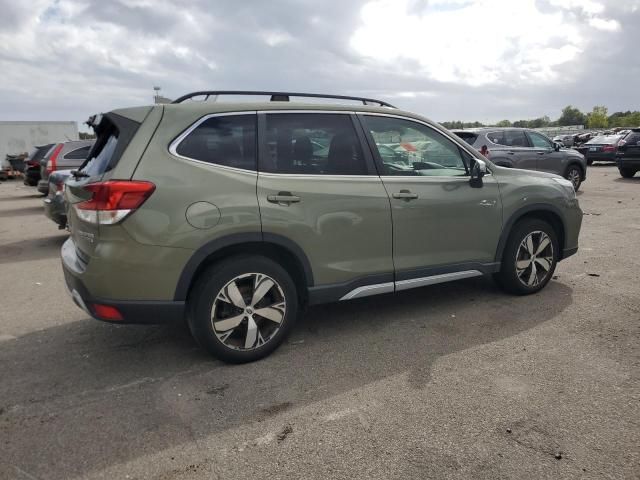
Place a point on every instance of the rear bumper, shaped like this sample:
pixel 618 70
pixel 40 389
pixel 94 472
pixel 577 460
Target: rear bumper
pixel 54 210
pixel 132 312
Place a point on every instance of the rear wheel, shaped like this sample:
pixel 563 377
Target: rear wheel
pixel 627 172
pixel 241 309
pixel 529 258
pixel 574 175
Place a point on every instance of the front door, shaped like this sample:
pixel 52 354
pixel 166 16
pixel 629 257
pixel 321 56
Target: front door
pixel 440 222
pixel 548 159
pixel 318 188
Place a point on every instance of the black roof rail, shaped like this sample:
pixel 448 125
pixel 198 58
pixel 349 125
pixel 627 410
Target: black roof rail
pixel 279 96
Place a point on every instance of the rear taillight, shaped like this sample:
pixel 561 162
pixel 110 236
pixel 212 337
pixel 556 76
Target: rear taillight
pixel 622 143
pixel 52 163
pixel 112 201
pixel 609 148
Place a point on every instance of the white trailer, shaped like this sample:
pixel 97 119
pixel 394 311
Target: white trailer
pixel 19 137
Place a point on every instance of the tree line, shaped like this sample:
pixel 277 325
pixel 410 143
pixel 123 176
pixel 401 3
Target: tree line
pixel 597 118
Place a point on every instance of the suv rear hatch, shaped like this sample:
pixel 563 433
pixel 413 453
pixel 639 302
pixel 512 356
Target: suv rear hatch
pixel 90 190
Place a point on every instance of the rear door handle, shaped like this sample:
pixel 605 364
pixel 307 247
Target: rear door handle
pixel 509 152
pixel 405 195
pixel 541 153
pixel 283 198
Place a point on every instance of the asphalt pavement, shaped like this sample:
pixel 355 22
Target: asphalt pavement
pixel 457 381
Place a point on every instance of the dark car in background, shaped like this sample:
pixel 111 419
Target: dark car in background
pixel 527 149
pixel 628 154
pixel 63 156
pixel 601 148
pixel 54 203
pixel 32 164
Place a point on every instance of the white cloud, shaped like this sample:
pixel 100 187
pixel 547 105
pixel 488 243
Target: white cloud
pixel 476 42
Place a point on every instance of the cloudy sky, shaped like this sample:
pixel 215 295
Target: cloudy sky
pixel 447 59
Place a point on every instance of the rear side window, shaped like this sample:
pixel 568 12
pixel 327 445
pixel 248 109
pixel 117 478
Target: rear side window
pixel 313 144
pixel 228 140
pixel 509 138
pixel 632 138
pixel 468 137
pixel 79 153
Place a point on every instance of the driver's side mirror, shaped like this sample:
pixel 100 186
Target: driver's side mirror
pixel 556 146
pixel 478 170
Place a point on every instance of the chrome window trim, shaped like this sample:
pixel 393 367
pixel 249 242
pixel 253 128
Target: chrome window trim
pixel 173 146
pixel 319 176
pixel 454 138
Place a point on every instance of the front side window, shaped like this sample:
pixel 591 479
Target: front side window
pixel 539 141
pixel 410 148
pixel 312 144
pixel 228 140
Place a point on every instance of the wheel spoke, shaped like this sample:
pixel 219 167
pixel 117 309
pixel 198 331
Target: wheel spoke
pixel 232 295
pixel 529 245
pixel 228 323
pixel 275 312
pixel 533 275
pixel 252 333
pixel 544 262
pixel 522 264
pixel 544 243
pixel 261 289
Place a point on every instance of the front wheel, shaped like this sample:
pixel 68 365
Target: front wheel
pixel 241 309
pixel 627 172
pixel 529 258
pixel 574 175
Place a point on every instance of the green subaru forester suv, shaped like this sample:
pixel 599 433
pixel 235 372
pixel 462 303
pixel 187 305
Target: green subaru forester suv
pixel 235 215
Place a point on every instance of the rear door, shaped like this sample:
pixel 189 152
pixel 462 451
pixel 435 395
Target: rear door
pixel 318 188
pixel 630 148
pixel 514 147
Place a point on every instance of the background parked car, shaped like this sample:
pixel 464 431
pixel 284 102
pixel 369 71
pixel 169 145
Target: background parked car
pixel 628 154
pixel 54 204
pixel 63 156
pixel 32 164
pixel 601 148
pixel 528 149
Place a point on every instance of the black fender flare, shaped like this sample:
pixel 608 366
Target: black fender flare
pixel 517 215
pixel 209 248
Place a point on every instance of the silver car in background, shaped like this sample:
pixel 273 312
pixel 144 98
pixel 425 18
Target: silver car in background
pixel 527 149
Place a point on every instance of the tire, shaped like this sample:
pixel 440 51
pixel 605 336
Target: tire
pixel 247 335
pixel 589 162
pixel 574 175
pixel 627 172
pixel 519 280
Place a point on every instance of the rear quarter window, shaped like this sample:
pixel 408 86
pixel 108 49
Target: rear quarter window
pixel 228 140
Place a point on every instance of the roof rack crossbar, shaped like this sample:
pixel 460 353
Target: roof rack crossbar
pixel 279 96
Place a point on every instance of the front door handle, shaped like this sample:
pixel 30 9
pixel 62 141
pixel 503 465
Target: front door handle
pixel 541 153
pixel 405 195
pixel 283 198
pixel 510 152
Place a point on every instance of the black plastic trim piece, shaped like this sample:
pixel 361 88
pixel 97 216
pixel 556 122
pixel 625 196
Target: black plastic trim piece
pixel 567 252
pixel 200 255
pixel 485 268
pixel 335 291
pixel 517 215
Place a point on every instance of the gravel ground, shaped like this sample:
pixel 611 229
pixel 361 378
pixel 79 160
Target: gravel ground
pixel 451 381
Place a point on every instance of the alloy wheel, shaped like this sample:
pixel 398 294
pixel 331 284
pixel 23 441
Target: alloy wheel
pixel 534 258
pixel 573 175
pixel 248 311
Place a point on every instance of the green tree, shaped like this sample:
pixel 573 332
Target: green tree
pixel 571 116
pixel 503 123
pixel 598 117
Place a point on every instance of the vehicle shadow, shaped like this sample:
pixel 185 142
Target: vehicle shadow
pixel 635 179
pixel 32 249
pixel 18 212
pixel 98 394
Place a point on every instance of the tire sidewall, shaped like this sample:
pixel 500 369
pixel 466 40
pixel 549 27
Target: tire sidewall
pixel 209 285
pixel 579 170
pixel 508 275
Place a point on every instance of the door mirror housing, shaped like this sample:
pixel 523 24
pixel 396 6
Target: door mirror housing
pixel 556 146
pixel 477 171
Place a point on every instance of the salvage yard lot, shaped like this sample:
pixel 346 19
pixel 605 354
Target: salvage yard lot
pixel 457 380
